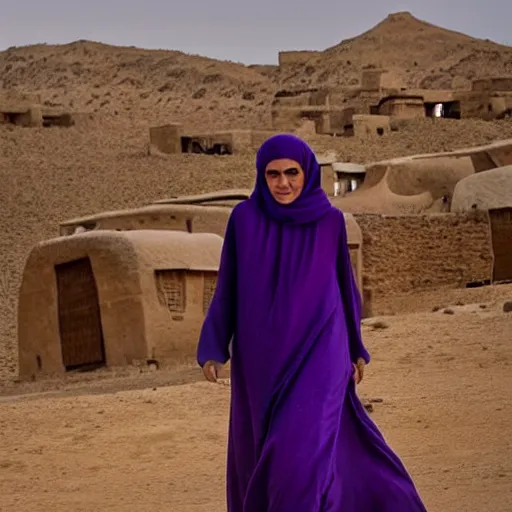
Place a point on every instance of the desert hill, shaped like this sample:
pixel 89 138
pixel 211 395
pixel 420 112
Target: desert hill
pixel 136 83
pixel 418 53
pixel 150 86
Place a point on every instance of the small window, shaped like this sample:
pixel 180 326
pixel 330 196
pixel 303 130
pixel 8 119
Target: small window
pixel 170 285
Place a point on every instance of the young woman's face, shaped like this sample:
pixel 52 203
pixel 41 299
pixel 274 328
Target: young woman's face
pixel 285 180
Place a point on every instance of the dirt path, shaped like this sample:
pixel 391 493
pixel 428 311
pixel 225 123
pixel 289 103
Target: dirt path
pixel 444 381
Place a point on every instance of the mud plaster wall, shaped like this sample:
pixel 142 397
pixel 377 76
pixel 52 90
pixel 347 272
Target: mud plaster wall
pixel 139 316
pixel 483 104
pixel 371 126
pixel 494 84
pixel 176 328
pixel 174 297
pixel 116 274
pixel 201 219
pixel 240 140
pixel 296 100
pixel 410 253
pixel 166 138
pixel 339 119
pixel 22 116
pixel 404 109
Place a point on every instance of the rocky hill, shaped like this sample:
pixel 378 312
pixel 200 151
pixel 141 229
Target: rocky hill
pixel 155 85
pixel 138 84
pixel 418 53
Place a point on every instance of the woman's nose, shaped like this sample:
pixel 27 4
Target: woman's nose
pixel 283 180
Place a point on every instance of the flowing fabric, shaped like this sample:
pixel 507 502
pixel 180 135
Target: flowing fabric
pixel 286 298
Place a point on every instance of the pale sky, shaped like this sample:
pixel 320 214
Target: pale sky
pixel 238 30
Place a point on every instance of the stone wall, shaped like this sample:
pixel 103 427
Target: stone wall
pixel 404 108
pixel 166 138
pixel 368 126
pixel 502 84
pixel 414 253
pixel 29 116
pixel 483 104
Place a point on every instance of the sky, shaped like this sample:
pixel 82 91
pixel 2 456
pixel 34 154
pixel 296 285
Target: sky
pixel 236 30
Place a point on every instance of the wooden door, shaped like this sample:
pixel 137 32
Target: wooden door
pixel 81 334
pixel 501 232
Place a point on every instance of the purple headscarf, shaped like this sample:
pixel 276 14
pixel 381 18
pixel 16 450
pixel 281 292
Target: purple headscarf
pixel 312 204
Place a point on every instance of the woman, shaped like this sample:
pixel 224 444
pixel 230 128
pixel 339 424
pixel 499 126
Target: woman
pixel 299 438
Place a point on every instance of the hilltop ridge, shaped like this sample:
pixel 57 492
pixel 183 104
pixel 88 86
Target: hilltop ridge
pixel 418 53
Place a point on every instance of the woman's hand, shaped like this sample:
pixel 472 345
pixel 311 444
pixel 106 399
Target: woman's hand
pixel 359 370
pixel 211 370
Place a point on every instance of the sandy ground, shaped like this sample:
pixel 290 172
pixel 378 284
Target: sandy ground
pixel 441 389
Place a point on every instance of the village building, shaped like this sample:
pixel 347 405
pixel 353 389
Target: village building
pixel 108 298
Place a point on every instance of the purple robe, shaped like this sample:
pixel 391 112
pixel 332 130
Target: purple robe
pixel 299 438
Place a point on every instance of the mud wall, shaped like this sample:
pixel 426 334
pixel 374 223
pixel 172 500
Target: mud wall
pixel 413 253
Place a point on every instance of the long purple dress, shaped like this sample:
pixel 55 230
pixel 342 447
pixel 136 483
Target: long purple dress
pixel 299 438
